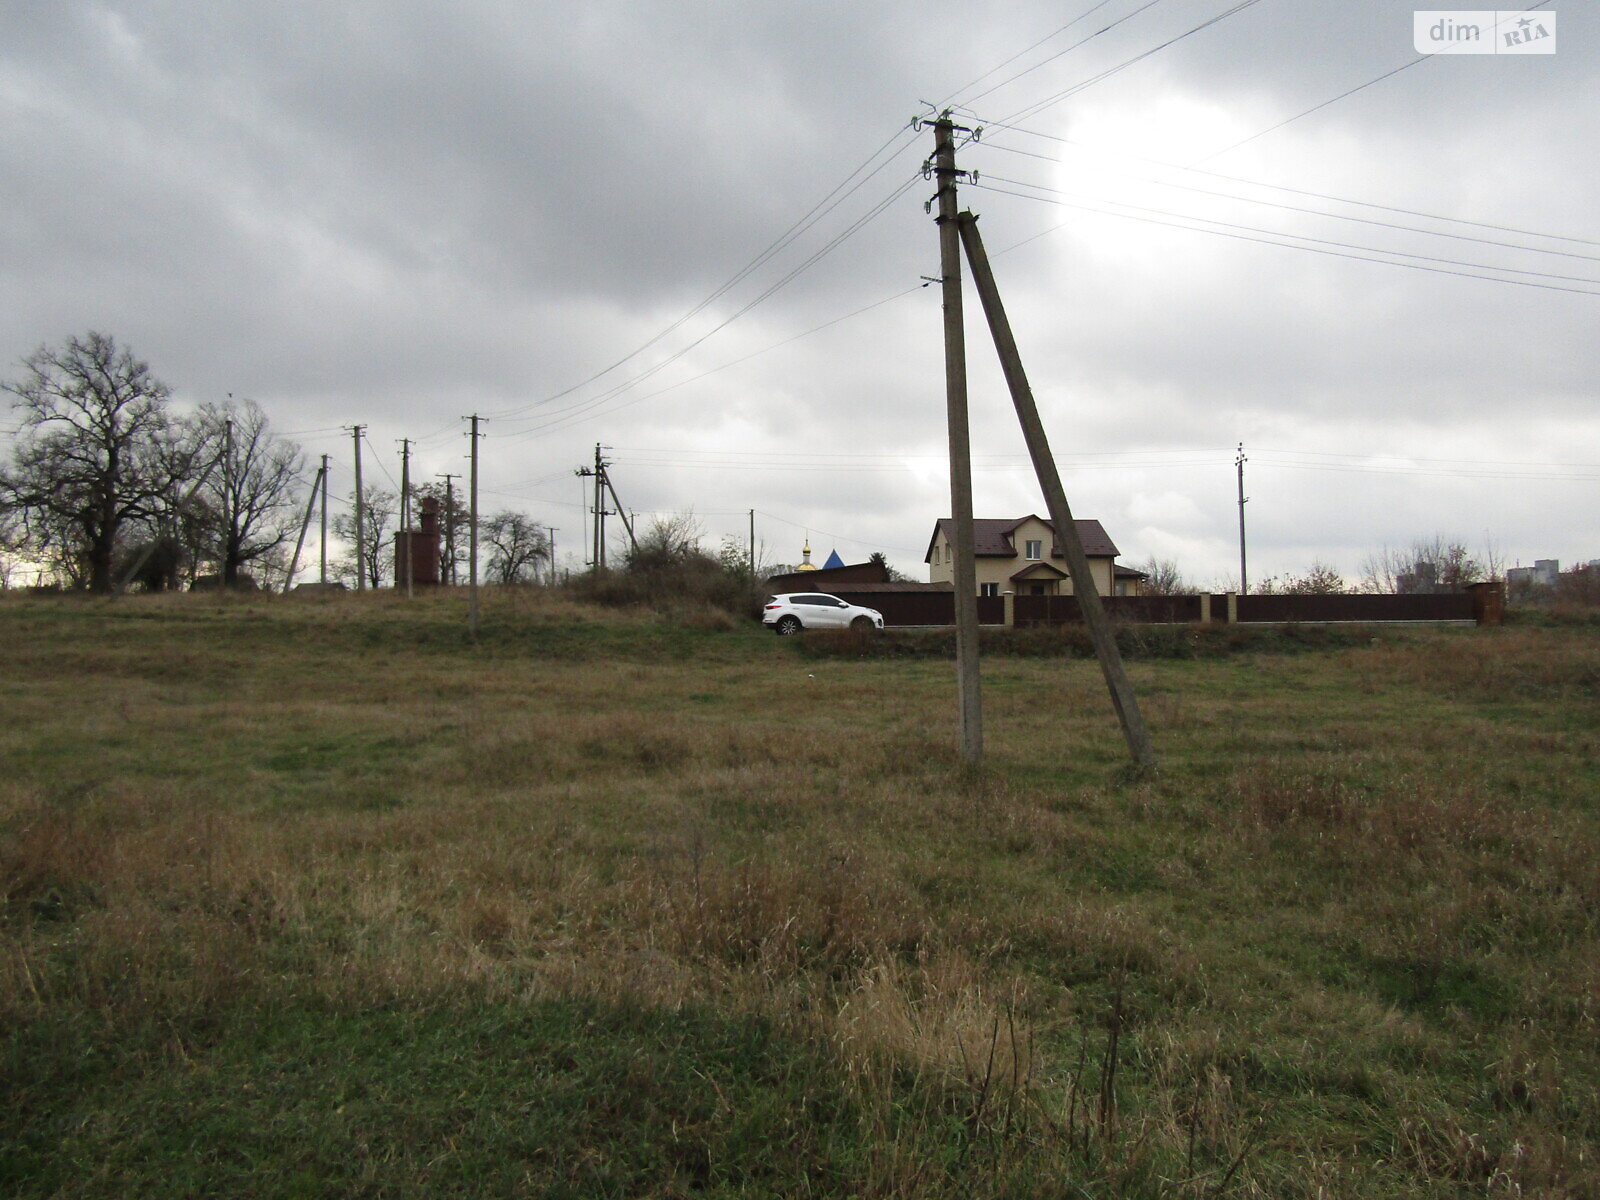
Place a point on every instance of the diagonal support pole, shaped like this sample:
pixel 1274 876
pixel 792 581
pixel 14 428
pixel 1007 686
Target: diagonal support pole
pixel 1055 498
pixel 299 542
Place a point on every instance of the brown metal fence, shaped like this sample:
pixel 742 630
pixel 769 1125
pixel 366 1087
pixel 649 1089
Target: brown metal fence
pixel 1279 610
pixel 938 608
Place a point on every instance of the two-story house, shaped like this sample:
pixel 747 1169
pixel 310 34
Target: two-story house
pixel 1020 555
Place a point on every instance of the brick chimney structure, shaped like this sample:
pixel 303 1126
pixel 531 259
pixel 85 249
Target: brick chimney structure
pixel 421 546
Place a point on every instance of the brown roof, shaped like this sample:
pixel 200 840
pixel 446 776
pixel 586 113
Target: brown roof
pixel 823 579
pixel 1040 570
pixel 898 587
pixel 993 537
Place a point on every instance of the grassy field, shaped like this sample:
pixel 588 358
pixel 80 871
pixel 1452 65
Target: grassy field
pixel 318 898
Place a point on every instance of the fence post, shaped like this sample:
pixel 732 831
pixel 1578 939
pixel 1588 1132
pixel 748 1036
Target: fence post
pixel 1011 609
pixel 1233 608
pixel 1205 608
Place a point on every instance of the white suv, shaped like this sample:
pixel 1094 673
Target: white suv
pixel 793 611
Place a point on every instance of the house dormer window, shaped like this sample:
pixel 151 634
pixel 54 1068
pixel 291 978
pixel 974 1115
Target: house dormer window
pixel 1034 550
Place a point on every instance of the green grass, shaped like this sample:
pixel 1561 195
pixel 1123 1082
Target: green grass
pixel 327 898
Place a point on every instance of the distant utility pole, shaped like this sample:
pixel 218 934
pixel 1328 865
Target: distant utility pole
pixel 600 512
pixel 1244 578
pixel 299 543
pixel 472 553
pixel 752 544
pixel 1066 529
pixel 405 511
pixel 361 527
pixel 553 532
pixel 229 577
pixel 602 486
pixel 449 529
pixel 323 575
pixel 943 167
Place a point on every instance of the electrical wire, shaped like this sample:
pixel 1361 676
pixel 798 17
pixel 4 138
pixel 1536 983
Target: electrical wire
pixel 1317 241
pixel 1341 96
pixel 1177 221
pixel 966 100
pixel 1051 101
pixel 1462 237
pixel 821 209
pixel 563 417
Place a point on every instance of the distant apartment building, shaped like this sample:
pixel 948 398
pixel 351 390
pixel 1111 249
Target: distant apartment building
pixel 1544 573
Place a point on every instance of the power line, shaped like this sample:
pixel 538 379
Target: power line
pixel 1463 237
pixel 1178 222
pixel 1050 102
pixel 743 358
pixel 565 416
pixel 1043 62
pixel 1406 66
pixel 826 205
pixel 1318 241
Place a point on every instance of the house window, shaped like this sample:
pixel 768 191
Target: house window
pixel 1034 551
pixel 988 589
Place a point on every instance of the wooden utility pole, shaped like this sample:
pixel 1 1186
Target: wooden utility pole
pixel 322 577
pixel 955 375
pixel 472 552
pixel 449 531
pixel 752 545
pixel 405 512
pixel 1244 578
pixel 299 542
pixel 553 531
pixel 361 526
pixel 1055 496
pixel 143 557
pixel 627 521
pixel 600 513
pixel 229 575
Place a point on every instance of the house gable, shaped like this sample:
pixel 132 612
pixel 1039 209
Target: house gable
pixel 1038 572
pixel 1001 552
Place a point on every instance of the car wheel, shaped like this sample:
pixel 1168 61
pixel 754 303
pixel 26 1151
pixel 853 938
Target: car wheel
pixel 787 626
pixel 862 624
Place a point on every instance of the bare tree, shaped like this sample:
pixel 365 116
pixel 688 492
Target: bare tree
pixel 1434 564
pixel 1319 580
pixel 251 495
pixel 11 543
pixel 1162 578
pixel 517 545
pixel 379 512
pixel 96 453
pixel 668 539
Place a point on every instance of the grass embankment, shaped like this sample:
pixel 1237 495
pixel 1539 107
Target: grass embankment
pixel 321 898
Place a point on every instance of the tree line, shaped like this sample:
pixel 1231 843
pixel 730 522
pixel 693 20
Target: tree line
pixel 107 486
pixel 1425 565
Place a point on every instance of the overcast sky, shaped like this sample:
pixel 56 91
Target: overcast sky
pixel 398 213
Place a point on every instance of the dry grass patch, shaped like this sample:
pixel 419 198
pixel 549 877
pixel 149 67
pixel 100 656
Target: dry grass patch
pixel 1344 943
